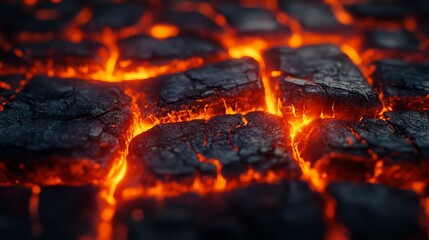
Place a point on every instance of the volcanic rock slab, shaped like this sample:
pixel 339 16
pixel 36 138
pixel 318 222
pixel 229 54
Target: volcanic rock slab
pixel 345 149
pixel 115 16
pixel 148 51
pixel 314 16
pixel 63 213
pixel 252 21
pixel 188 22
pixel 378 212
pixel 63 131
pixel 414 125
pixel 57 55
pixel 403 85
pixel 399 40
pixel 285 210
pixel 208 90
pixel 233 142
pixel 319 79
pixel 388 10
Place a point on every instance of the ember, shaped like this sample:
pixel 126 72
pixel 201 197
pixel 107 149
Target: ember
pixel 274 119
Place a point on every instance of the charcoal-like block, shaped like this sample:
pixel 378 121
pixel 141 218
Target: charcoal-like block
pixel 380 11
pixel 14 212
pixel 318 79
pixel 68 213
pixel 347 149
pixel 148 51
pixel 377 211
pixel 284 210
pixel 404 85
pixel 189 22
pixel 400 40
pixel 249 21
pixel 174 150
pixel 314 16
pixel 414 125
pixel 63 130
pixel 115 16
pixel 58 55
pixel 9 86
pixel 208 90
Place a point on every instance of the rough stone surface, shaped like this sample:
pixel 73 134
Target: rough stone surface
pixel 65 130
pixel 151 51
pixel 319 79
pixel 252 21
pixel 115 16
pixel 403 85
pixel 285 210
pixel 388 10
pixel 256 139
pixel 391 40
pixel 378 212
pixel 414 125
pixel 314 16
pixel 205 90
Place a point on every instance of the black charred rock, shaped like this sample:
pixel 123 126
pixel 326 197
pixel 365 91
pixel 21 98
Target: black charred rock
pixel 403 85
pixel 401 40
pixel 252 21
pixel 189 22
pixel 378 212
pixel 67 130
pixel 150 51
pixel 349 149
pixel 415 125
pixel 210 89
pixel 320 79
pixel 14 215
pixel 58 55
pixel 9 86
pixel 285 210
pixel 387 10
pixel 176 150
pixel 68 212
pixel 314 16
pixel 115 16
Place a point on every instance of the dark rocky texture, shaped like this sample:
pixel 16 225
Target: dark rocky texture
pixel 253 21
pixel 349 149
pixel 150 51
pixel 175 150
pixel 189 22
pixel 207 90
pixel 401 40
pixel 285 210
pixel 57 56
pixel 319 79
pixel 414 125
pixel 314 16
pixel 403 85
pixel 380 11
pixel 378 212
pixel 63 130
pixel 115 16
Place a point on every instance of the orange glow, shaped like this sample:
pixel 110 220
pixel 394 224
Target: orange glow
pixel 163 31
